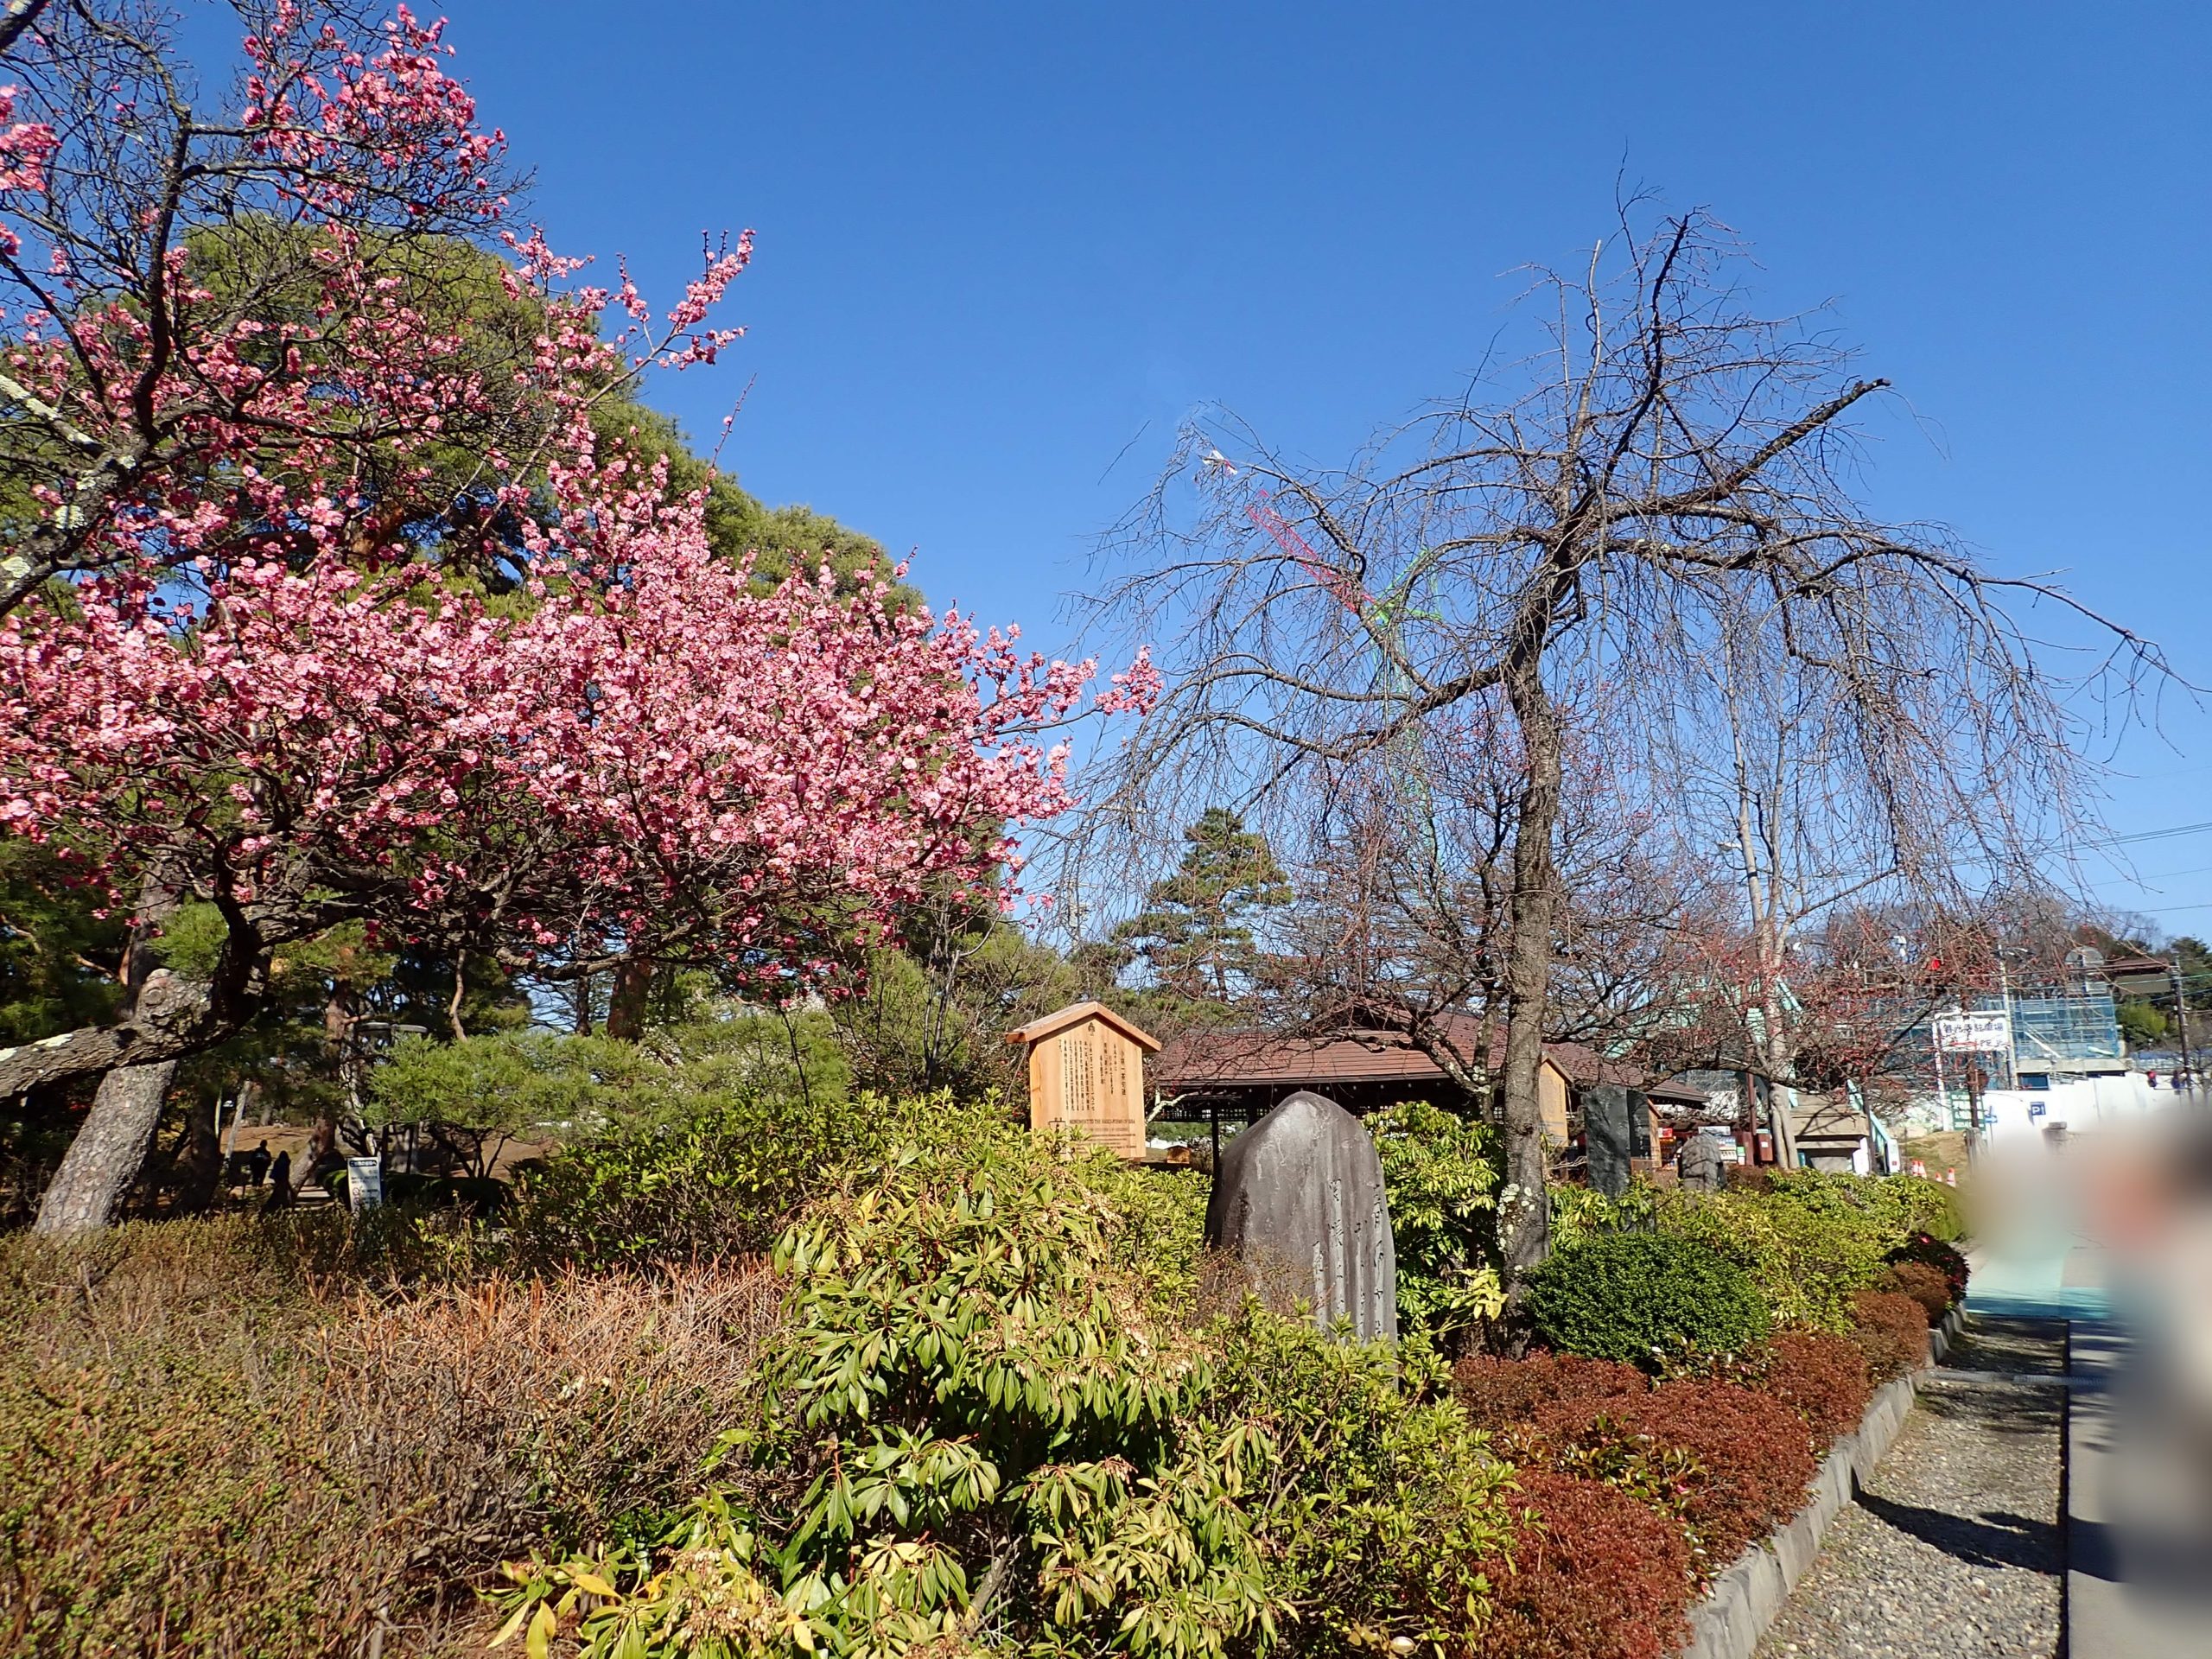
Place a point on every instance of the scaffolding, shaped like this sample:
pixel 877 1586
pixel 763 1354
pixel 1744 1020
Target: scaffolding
pixel 2078 1031
pixel 2070 1031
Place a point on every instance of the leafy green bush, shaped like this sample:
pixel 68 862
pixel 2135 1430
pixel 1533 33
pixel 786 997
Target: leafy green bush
pixel 1804 1260
pixel 1896 1206
pixel 719 1174
pixel 1440 1174
pixel 1580 1213
pixel 1810 1239
pixel 1386 1501
pixel 983 1422
pixel 974 1422
pixel 1638 1297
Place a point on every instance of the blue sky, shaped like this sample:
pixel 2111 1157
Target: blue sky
pixel 1003 250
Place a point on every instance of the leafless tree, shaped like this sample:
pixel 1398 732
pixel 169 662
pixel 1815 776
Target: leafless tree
pixel 1405 900
pixel 1665 486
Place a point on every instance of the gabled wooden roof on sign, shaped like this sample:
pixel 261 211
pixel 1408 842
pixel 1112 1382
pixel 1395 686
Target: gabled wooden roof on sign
pixel 1074 1014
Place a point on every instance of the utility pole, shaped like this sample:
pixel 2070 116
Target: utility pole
pixel 2012 1047
pixel 2181 1023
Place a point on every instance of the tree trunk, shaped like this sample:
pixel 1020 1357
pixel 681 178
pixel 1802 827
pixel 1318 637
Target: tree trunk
pixel 625 1005
pixel 105 1158
pixel 107 1155
pixel 1523 1208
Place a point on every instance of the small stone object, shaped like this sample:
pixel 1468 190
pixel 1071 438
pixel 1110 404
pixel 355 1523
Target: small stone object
pixel 1699 1164
pixel 1299 1201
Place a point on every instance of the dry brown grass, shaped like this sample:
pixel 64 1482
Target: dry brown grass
pixel 489 1419
pixel 210 1449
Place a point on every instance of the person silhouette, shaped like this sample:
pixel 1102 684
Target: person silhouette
pixel 257 1164
pixel 280 1181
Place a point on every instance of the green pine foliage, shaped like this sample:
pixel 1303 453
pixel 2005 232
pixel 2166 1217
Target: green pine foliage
pixel 1195 935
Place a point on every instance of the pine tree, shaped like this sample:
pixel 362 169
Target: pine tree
pixel 1196 932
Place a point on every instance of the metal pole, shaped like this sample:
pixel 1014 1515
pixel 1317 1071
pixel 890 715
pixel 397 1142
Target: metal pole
pixel 1973 1103
pixel 1936 1047
pixel 2011 1050
pixel 2181 1023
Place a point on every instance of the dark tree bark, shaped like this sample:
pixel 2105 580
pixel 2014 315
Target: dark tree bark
pixel 626 1006
pixel 16 17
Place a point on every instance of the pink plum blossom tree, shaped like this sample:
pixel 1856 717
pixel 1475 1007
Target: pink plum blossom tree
pixel 246 658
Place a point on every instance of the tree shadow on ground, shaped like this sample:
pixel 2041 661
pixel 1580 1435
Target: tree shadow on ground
pixel 2002 1408
pixel 1999 1538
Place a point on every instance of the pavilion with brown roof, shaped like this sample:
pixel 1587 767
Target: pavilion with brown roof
pixel 1239 1075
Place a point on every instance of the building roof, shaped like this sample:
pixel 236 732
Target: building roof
pixel 2139 973
pixel 1074 1014
pixel 1825 1117
pixel 1206 1059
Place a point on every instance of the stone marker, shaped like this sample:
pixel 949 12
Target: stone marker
pixel 1298 1200
pixel 1699 1164
pixel 1605 1112
pixel 1086 1073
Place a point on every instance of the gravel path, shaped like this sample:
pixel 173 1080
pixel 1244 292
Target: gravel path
pixel 1955 1550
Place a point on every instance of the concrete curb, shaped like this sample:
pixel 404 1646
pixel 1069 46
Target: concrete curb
pixel 1744 1600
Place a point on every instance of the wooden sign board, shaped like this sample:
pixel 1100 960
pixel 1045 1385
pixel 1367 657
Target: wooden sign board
pixel 1086 1073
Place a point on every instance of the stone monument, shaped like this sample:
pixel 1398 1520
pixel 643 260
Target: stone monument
pixel 1700 1163
pixel 1298 1200
pixel 1086 1073
pixel 1606 1110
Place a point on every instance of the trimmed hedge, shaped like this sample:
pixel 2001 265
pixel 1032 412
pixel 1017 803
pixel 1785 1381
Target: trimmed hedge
pixel 1597 1575
pixel 1892 1330
pixel 1639 1298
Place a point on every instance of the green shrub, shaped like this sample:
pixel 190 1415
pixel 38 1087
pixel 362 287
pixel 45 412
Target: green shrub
pixel 1386 1500
pixel 984 1421
pixel 972 1409
pixel 1811 1239
pixel 1580 1213
pixel 1441 1175
pixel 1638 1297
pixel 716 1173
pixel 1896 1206
pixel 1805 1260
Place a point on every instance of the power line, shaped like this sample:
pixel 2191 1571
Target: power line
pixel 2153 835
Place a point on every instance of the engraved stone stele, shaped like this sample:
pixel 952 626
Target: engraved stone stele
pixel 1086 1073
pixel 1299 1201
pixel 1605 1136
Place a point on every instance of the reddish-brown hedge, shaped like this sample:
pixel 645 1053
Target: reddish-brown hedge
pixel 1891 1329
pixel 1502 1394
pixel 1598 1576
pixel 1752 1457
pixel 1931 1251
pixel 1924 1284
pixel 1823 1378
